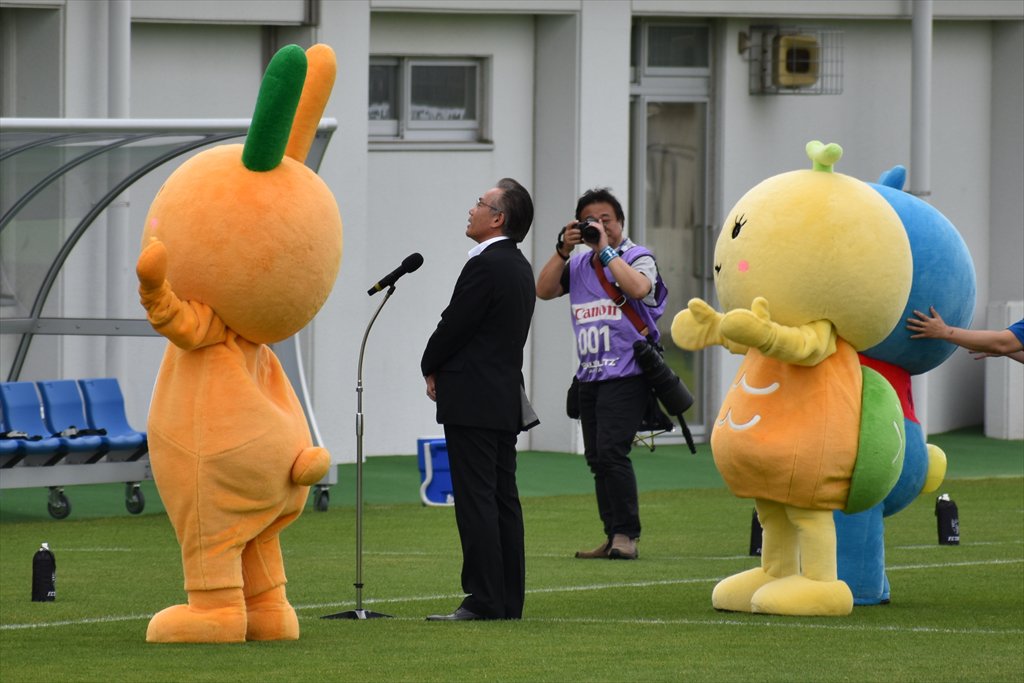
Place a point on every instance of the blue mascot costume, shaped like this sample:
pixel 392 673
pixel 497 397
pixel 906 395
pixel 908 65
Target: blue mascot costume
pixel 943 277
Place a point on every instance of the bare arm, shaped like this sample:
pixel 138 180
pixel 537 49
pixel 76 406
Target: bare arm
pixel 996 342
pixel 549 281
pixel 632 282
pixel 1016 355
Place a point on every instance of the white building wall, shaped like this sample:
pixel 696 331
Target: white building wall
pixel 336 331
pixel 560 120
pixel 556 147
pixel 420 203
pixel 962 89
pixel 764 135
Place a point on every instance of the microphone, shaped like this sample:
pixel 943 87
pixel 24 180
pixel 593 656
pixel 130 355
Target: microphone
pixel 411 263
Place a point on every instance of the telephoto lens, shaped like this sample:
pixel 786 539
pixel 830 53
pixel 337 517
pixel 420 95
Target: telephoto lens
pixel 669 389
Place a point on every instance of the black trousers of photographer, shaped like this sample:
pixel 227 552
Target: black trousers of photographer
pixel 610 413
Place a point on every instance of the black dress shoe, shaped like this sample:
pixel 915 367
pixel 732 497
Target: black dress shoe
pixel 461 614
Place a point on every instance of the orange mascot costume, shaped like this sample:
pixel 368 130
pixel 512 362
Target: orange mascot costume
pixel 241 248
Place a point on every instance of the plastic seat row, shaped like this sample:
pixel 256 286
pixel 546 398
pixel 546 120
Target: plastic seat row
pixel 66 422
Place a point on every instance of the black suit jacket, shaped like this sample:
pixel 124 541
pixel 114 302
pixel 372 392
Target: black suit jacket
pixel 476 352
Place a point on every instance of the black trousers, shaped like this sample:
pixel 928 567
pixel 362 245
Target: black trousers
pixel 610 413
pixel 490 520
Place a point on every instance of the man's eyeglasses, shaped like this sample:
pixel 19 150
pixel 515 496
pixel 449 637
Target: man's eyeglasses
pixel 481 202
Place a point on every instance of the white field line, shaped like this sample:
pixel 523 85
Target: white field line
pixel 602 586
pixel 973 543
pixel 768 622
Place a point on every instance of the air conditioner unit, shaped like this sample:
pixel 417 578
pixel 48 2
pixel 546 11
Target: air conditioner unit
pixel 793 60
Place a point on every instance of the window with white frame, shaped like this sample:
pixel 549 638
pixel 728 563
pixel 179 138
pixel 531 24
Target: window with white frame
pixel 427 99
pixel 668 49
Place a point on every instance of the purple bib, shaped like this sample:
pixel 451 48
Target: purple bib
pixel 604 336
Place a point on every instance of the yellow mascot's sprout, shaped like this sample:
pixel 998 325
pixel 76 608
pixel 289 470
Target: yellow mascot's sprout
pixel 810 267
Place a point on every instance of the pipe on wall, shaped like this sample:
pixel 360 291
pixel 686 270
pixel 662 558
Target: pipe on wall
pixel 920 145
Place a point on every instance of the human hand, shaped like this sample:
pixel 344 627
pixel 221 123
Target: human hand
pixel 571 236
pixel 431 388
pixel 602 235
pixel 928 327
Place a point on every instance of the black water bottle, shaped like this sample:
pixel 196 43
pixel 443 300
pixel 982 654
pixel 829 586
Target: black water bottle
pixel 948 520
pixel 44 575
pixel 755 535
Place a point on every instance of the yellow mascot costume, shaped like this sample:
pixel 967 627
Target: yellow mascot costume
pixel 811 266
pixel 241 248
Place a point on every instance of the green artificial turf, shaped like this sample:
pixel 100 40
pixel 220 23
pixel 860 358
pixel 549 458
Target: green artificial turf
pixel 396 479
pixel 957 612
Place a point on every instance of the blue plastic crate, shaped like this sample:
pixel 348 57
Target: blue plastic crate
pixel 435 475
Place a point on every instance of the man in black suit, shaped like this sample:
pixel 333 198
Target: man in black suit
pixel 473 366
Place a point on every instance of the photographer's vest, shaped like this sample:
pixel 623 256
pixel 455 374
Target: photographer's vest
pixel 604 336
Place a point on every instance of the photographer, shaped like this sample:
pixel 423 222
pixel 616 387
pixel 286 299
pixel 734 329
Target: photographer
pixel 613 393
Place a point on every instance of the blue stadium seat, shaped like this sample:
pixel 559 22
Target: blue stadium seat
pixel 10 447
pixel 104 409
pixel 63 415
pixel 23 413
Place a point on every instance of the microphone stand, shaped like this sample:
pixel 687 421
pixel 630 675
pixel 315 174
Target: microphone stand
pixel 359 612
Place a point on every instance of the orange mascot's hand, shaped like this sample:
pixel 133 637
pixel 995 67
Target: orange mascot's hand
pixel 311 466
pixel 151 267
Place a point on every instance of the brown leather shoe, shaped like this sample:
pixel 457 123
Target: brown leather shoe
pixel 623 548
pixel 598 553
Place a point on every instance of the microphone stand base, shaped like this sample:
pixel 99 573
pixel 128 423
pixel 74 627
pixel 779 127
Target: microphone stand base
pixel 357 614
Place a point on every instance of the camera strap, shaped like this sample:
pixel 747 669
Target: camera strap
pixel 618 298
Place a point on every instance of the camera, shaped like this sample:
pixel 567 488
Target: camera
pixel 671 391
pixel 667 386
pixel 590 230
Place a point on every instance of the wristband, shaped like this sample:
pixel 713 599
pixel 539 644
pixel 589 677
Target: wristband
pixel 607 255
pixel 561 243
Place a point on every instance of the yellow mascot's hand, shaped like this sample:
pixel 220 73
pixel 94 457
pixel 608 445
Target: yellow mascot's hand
pixel 151 267
pixel 807 344
pixel 698 326
pixel 752 327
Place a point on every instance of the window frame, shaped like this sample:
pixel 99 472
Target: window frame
pixel 403 128
pixel 640 70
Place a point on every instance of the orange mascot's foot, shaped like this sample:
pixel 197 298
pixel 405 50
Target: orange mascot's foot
pixel 216 616
pixel 271 617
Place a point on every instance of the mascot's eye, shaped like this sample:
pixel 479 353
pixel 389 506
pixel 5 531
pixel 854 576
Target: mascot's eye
pixel 738 225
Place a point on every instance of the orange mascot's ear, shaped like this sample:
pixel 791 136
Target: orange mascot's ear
pixel 320 73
